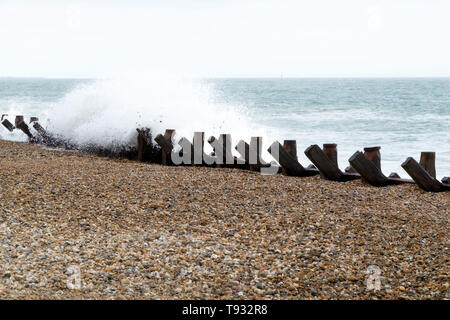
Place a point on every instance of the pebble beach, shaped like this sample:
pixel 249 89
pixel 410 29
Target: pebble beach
pixel 75 226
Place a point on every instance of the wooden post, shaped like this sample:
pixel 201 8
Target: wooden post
pixel 288 161
pixel 169 134
pixel 144 139
pixel 291 147
pixel 8 125
pixel 423 179
pixel 373 154
pixel 166 143
pixel 372 174
pixel 20 124
pixel 18 120
pixel 140 144
pixel 46 138
pixel 330 149
pixel 33 119
pixel 326 166
pixel 368 169
pixel 427 161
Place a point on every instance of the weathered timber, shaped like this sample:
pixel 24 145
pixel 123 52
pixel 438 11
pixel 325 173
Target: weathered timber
pixel 330 149
pixel 427 161
pixel 169 134
pixel 24 128
pixel 326 166
pixel 288 161
pixel 373 154
pixel 163 142
pixel 33 119
pixel 146 150
pixel 144 139
pixel 17 120
pixel 140 144
pixel 291 147
pixel 370 172
pixel 8 125
pixel 45 137
pixel 41 131
pixel 421 177
pixel 166 143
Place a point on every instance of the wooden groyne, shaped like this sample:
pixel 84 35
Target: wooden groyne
pixel 365 166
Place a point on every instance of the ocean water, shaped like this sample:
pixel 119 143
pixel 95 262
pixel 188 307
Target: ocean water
pixel 403 116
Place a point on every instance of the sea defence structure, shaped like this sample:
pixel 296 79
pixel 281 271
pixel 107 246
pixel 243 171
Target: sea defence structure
pixel 163 150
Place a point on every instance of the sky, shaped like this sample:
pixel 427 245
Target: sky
pixel 229 38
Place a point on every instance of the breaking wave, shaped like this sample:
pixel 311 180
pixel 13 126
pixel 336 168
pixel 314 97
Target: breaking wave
pixel 107 112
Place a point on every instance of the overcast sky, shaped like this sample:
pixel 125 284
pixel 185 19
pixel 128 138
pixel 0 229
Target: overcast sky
pixel 225 38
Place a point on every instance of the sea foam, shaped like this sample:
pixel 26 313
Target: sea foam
pixel 107 112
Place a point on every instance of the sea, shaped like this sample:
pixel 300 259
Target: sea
pixel 404 116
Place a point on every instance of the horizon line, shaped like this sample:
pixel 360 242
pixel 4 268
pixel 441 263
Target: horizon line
pixel 238 77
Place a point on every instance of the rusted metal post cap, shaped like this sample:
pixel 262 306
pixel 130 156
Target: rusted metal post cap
pixel 446 180
pixel 329 145
pixel 33 119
